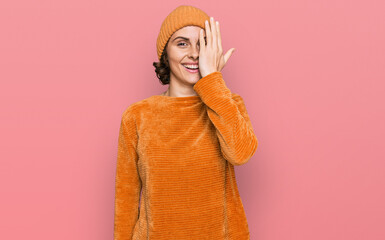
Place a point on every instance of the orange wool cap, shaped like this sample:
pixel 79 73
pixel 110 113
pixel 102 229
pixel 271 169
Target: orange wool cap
pixel 180 17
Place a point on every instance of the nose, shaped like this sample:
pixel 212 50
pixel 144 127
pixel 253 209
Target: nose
pixel 194 52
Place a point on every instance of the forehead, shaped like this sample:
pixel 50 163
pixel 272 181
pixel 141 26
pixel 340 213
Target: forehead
pixel 188 32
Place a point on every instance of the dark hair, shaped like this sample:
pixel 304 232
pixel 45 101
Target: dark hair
pixel 162 68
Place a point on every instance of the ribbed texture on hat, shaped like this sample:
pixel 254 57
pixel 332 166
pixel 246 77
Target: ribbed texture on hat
pixel 180 17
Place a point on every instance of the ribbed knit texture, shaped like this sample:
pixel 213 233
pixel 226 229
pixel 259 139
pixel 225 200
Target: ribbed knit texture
pixel 180 17
pixel 180 152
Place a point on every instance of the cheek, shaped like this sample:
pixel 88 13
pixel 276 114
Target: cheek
pixel 175 66
pixel 175 62
pixel 176 55
pixel 175 58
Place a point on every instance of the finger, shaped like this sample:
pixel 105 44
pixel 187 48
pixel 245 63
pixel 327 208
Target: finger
pixel 202 43
pixel 219 38
pixel 208 33
pixel 214 34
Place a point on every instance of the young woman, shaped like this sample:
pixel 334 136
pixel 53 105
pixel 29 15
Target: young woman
pixel 175 174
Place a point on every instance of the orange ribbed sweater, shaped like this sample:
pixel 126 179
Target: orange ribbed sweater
pixel 178 154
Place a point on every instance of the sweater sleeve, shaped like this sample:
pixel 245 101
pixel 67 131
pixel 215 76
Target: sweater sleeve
pixel 228 113
pixel 127 182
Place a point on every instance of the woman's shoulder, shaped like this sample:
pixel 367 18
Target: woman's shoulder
pixel 235 95
pixel 137 106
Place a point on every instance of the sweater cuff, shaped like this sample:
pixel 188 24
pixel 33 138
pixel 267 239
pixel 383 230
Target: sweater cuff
pixel 212 86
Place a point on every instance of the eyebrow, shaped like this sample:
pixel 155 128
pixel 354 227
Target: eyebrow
pixel 184 38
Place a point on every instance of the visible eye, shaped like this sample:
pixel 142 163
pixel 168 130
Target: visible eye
pixel 179 44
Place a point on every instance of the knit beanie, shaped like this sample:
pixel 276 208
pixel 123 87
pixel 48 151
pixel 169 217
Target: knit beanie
pixel 180 17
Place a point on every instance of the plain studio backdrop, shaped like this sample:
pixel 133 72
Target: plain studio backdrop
pixel 311 74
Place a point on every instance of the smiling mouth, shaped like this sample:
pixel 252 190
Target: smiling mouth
pixel 191 70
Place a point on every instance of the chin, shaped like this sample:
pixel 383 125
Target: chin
pixel 193 79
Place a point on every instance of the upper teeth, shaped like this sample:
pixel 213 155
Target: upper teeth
pixel 191 66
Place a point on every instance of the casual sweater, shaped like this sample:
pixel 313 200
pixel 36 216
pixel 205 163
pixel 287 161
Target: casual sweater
pixel 179 154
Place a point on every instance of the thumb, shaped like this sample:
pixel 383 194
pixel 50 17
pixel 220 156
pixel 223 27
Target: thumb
pixel 228 54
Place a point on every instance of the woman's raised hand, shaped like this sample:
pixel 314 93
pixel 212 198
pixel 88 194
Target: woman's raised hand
pixel 211 58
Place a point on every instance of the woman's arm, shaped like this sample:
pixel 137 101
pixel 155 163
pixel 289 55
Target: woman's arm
pixel 229 115
pixel 127 183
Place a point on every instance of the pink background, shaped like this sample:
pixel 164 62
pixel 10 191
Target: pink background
pixel 311 74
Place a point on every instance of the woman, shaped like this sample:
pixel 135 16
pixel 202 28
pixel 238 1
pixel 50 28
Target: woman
pixel 178 149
